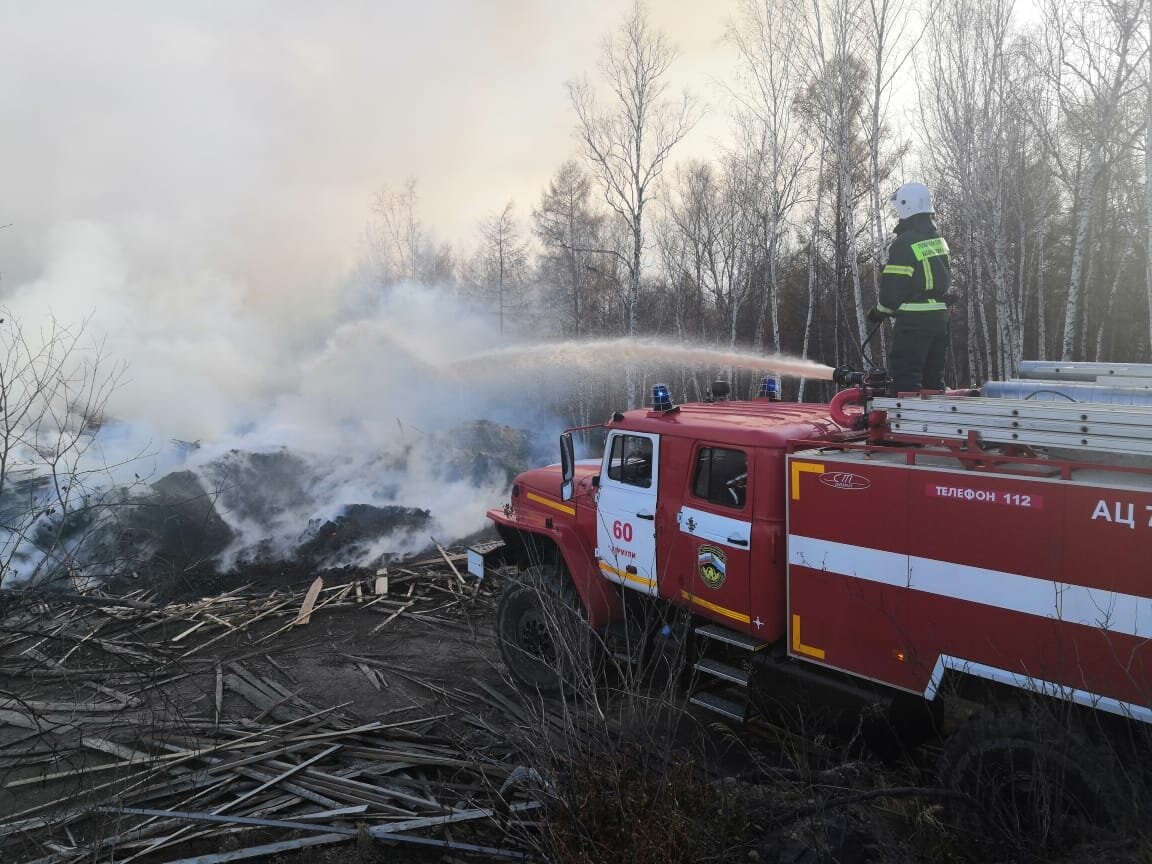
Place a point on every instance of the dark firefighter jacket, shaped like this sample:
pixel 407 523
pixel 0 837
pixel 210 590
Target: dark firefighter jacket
pixel 917 274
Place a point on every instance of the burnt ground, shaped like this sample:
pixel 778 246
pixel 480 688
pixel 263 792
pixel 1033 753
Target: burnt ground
pixel 392 714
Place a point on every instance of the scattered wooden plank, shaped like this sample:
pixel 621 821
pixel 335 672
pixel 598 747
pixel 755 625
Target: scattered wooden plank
pixel 32 594
pixel 450 563
pixel 292 623
pixel 255 680
pixel 236 820
pixel 272 711
pixel 274 687
pixel 286 672
pixel 305 614
pixel 62 707
pixel 390 618
pixel 284 775
pixel 189 631
pixel 266 704
pixel 264 851
pixel 25 721
pixel 269 611
pixel 380 832
pixel 124 698
pixel 370 674
pixel 219 621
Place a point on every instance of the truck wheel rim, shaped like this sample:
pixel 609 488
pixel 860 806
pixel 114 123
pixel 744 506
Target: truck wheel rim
pixel 534 637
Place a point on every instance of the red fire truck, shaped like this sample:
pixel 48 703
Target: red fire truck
pixel 897 542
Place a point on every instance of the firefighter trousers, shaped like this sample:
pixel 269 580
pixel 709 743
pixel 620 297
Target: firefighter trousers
pixel 919 344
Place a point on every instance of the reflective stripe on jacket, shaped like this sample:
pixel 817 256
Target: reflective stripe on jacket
pixel 918 271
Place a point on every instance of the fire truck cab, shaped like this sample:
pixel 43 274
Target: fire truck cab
pixel 1001 539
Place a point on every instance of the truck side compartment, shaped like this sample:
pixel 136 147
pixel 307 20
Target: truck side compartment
pixel 1027 580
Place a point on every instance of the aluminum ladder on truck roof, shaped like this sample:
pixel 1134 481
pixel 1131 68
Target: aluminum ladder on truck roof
pixel 1119 374
pixel 1074 426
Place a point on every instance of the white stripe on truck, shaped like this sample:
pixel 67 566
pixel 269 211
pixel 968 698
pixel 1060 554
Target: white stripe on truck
pixel 1076 604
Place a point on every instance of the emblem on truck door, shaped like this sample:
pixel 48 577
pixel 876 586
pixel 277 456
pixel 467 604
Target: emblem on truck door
pixel 844 480
pixel 712 564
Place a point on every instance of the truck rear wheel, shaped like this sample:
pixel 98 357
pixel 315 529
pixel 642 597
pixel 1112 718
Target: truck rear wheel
pixel 544 637
pixel 1031 779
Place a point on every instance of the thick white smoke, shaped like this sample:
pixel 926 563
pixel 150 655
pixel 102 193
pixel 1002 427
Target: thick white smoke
pixel 364 393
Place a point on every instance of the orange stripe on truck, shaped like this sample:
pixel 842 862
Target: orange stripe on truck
pixel 712 607
pixel 548 502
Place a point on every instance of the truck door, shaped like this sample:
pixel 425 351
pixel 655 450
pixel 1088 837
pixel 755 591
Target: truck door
pixel 712 548
pixel 626 510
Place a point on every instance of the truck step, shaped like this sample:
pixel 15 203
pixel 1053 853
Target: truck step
pixel 730 637
pixel 718 704
pixel 724 671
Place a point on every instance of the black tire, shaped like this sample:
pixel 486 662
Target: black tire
pixel 1035 783
pixel 542 632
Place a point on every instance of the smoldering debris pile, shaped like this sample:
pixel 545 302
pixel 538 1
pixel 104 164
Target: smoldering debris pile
pixel 247 508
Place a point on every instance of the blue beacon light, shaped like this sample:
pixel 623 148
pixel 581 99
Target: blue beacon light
pixel 769 389
pixel 661 398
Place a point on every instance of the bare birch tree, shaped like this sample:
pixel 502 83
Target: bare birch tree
pixel 889 40
pixel 399 247
pixel 834 100
pixel 396 233
pixel 1094 55
pixel 628 142
pixel 771 131
pixel 1148 176
pixel 502 264
pixel 975 130
pixel 716 213
pixel 813 257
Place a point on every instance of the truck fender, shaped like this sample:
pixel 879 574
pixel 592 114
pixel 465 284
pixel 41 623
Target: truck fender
pixel 601 601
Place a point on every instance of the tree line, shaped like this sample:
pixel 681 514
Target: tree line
pixel 1032 133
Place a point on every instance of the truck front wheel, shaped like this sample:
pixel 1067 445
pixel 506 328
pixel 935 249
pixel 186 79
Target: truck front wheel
pixel 544 638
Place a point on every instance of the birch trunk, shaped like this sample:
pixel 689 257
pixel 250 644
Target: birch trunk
pixel 1041 290
pixel 812 259
pixel 1076 272
pixel 846 188
pixel 973 302
pixel 1148 189
pixel 1120 268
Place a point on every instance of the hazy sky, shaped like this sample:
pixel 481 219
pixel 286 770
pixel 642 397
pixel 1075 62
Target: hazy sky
pixel 243 140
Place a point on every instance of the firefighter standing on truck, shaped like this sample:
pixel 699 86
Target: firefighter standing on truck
pixel 912 290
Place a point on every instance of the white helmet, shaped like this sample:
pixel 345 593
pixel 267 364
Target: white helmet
pixel 910 199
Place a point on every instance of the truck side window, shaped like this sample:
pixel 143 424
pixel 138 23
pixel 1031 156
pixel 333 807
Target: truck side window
pixel 721 476
pixel 631 460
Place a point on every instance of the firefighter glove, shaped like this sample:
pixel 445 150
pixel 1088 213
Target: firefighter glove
pixel 875 316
